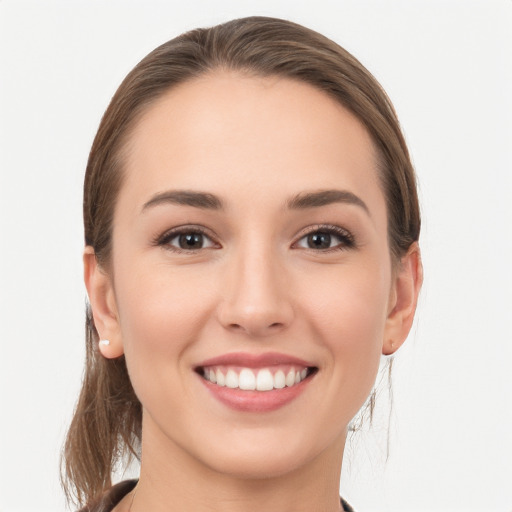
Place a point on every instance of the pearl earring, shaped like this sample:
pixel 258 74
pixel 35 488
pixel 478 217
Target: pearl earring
pixel 105 342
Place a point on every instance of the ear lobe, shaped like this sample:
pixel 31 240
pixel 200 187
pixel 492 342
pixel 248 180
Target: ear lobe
pixel 103 305
pixel 404 299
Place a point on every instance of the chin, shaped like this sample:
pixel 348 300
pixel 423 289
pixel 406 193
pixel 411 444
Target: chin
pixel 258 464
pixel 267 453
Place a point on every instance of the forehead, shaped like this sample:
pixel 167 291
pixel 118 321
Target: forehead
pixel 226 132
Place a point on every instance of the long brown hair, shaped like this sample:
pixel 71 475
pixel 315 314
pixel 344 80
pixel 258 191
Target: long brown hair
pixel 108 416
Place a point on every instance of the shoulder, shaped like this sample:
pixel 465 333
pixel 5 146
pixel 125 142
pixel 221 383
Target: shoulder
pixel 110 498
pixel 113 496
pixel 346 506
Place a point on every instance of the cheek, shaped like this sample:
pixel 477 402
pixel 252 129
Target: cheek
pixel 350 303
pixel 348 313
pixel 161 313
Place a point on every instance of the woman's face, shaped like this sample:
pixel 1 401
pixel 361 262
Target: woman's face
pixel 250 249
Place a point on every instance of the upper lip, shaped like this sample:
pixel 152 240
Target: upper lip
pixel 248 360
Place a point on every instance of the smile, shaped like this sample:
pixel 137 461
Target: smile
pixel 256 383
pixel 253 379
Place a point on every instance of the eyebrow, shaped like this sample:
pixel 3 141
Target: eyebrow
pixel 301 201
pixel 319 198
pixel 202 200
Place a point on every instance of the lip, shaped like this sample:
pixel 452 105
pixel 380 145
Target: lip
pixel 254 360
pixel 255 401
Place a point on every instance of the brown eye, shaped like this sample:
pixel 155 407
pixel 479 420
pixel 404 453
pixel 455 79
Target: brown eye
pixel 191 241
pixel 326 238
pixel 319 241
pixel 186 241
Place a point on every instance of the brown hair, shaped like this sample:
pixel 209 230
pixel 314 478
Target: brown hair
pixel 107 420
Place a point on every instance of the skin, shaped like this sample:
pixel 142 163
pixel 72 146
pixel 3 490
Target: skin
pixel 256 286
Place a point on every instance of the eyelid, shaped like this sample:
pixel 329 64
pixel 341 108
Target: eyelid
pixel 348 239
pixel 164 238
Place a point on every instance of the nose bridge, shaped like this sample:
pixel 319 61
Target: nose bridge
pixel 255 299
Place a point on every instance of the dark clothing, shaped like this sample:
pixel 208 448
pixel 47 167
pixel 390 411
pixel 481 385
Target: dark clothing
pixel 114 495
pixel 109 499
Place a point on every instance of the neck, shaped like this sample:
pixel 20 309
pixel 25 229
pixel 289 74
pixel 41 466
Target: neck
pixel 172 480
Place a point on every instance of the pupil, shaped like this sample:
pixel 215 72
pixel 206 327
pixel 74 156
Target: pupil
pixel 319 241
pixel 191 241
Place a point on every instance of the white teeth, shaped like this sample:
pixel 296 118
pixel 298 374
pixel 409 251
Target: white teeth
pixel 250 380
pixel 247 380
pixel 220 378
pixel 264 381
pixel 231 379
pixel 279 380
pixel 290 378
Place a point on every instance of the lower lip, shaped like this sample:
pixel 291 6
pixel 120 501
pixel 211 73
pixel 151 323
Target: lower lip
pixel 256 401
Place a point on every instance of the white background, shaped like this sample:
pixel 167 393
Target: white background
pixel 447 67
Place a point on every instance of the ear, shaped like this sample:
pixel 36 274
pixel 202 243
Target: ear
pixel 103 305
pixel 406 286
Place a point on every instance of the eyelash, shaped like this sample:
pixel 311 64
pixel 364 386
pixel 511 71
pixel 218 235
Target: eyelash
pixel 346 238
pixel 165 239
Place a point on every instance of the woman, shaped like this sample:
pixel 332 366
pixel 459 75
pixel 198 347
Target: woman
pixel 251 227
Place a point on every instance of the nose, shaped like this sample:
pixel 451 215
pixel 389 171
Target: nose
pixel 255 298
